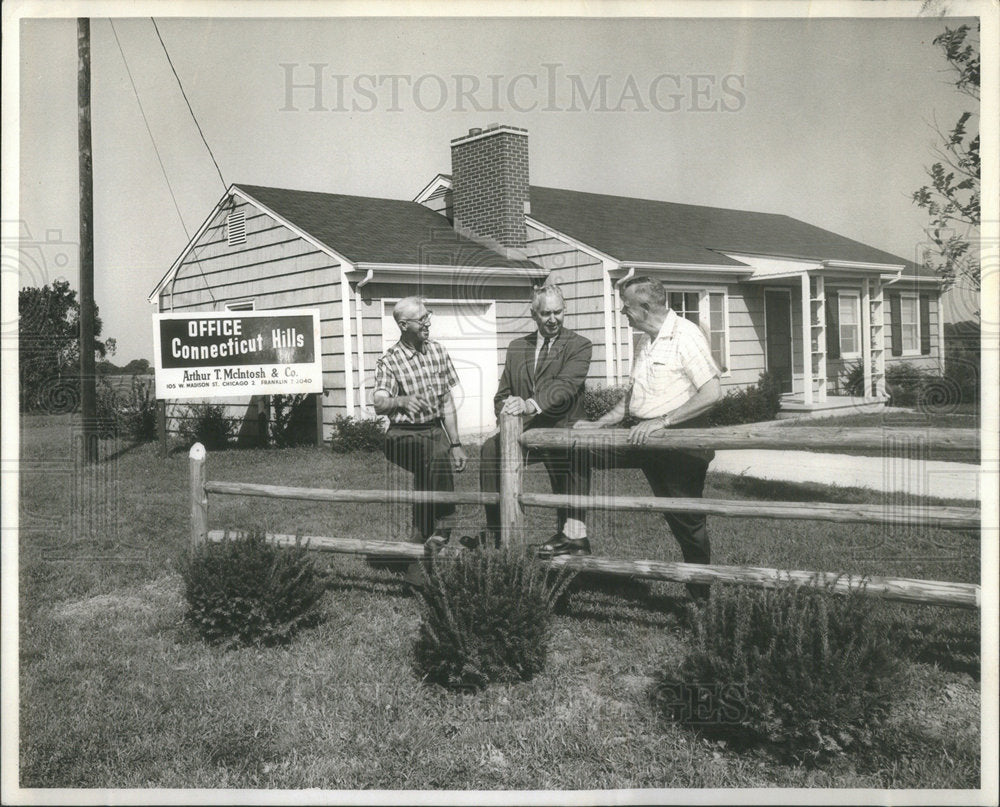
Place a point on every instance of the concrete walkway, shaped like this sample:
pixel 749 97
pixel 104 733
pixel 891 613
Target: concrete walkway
pixel 947 480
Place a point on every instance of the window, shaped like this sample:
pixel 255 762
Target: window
pixel 236 228
pixel 708 310
pixel 909 323
pixel 685 303
pixel 717 329
pixel 849 315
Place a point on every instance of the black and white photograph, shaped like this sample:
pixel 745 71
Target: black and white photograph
pixel 502 403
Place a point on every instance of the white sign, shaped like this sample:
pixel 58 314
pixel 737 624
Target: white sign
pixel 216 354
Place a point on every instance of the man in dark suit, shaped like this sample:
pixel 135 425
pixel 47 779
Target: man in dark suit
pixel 543 380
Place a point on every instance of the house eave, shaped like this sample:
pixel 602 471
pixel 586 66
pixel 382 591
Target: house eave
pixel 697 268
pixel 424 273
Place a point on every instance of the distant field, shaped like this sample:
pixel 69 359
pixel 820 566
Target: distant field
pixel 115 690
pixel 123 383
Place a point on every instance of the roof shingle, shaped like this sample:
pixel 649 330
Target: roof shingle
pixel 365 229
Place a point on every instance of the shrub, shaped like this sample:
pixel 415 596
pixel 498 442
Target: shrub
pixel 248 590
pixel 903 382
pixel 852 379
pixel 137 411
pixel 757 402
pixel 598 401
pixel 286 422
pixel 357 434
pixel 486 617
pixel 207 424
pixel 807 672
pixel 109 407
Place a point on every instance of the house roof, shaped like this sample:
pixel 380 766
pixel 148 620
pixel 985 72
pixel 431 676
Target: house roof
pixel 644 230
pixel 365 229
pixel 651 231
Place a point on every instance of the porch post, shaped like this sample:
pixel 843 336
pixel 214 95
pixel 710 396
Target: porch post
pixel 820 329
pixel 866 336
pixel 878 339
pixel 807 352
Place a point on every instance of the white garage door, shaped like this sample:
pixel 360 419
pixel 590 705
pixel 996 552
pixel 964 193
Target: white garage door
pixel 469 332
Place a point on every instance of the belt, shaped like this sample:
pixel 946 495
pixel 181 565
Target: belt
pixel 413 427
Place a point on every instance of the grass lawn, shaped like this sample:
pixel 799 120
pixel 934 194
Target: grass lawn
pixel 116 691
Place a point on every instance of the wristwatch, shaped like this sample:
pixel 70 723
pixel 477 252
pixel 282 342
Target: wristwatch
pixel 456 445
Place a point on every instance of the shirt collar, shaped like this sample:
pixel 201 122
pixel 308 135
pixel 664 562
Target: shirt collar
pixel 409 351
pixel 668 327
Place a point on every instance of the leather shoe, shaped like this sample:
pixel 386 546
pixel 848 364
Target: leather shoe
pixel 484 539
pixel 435 544
pixel 559 544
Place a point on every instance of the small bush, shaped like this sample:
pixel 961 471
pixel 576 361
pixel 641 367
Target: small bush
pixel 248 590
pixel 137 411
pixel 486 618
pixel 109 407
pixel 903 382
pixel 809 673
pixel 852 379
pixel 598 401
pixel 207 424
pixel 752 404
pixel 286 422
pixel 356 434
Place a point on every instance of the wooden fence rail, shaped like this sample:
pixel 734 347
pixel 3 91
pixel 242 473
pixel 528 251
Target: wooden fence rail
pixel 953 444
pixel 945 518
pixel 512 500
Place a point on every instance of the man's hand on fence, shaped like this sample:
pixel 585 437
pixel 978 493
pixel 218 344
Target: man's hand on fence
pixel 641 432
pixel 459 458
pixel 514 406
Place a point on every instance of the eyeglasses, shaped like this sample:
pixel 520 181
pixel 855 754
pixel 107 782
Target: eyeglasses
pixel 424 320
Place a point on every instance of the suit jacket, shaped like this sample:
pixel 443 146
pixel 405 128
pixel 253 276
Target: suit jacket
pixel 557 385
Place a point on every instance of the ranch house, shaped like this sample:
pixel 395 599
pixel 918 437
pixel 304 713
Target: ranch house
pixel 771 292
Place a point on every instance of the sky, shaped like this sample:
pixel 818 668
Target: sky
pixel 826 120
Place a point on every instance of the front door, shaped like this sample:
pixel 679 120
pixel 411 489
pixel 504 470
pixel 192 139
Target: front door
pixel 778 336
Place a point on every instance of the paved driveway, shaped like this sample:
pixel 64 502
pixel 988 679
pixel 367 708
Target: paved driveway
pixel 950 480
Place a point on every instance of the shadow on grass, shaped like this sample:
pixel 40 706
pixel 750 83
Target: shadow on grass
pixel 776 490
pixel 949 649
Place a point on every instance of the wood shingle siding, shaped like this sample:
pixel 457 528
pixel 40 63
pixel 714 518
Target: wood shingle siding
pixel 580 277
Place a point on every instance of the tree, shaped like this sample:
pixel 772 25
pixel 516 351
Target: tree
pixel 137 367
pixel 49 347
pixel 952 198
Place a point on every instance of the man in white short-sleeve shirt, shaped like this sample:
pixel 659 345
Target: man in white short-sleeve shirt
pixel 674 380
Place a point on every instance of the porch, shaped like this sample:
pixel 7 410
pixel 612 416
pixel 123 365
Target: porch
pixel 794 405
pixel 824 320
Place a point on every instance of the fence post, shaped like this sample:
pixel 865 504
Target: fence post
pixel 511 479
pixel 199 499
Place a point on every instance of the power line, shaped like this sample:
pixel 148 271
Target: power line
pixel 145 120
pixel 193 116
pixel 156 149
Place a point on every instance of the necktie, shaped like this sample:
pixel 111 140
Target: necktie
pixel 542 354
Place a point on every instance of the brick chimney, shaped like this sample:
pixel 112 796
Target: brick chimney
pixel 489 170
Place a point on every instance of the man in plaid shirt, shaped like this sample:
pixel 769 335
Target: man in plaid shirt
pixel 413 382
pixel 674 380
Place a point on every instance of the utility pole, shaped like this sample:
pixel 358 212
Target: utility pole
pixel 88 384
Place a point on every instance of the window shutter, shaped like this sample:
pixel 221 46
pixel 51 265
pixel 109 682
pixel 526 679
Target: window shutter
pixel 925 324
pixel 895 325
pixel 832 326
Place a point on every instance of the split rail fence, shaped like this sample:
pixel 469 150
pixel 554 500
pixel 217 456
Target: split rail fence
pixel 955 444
